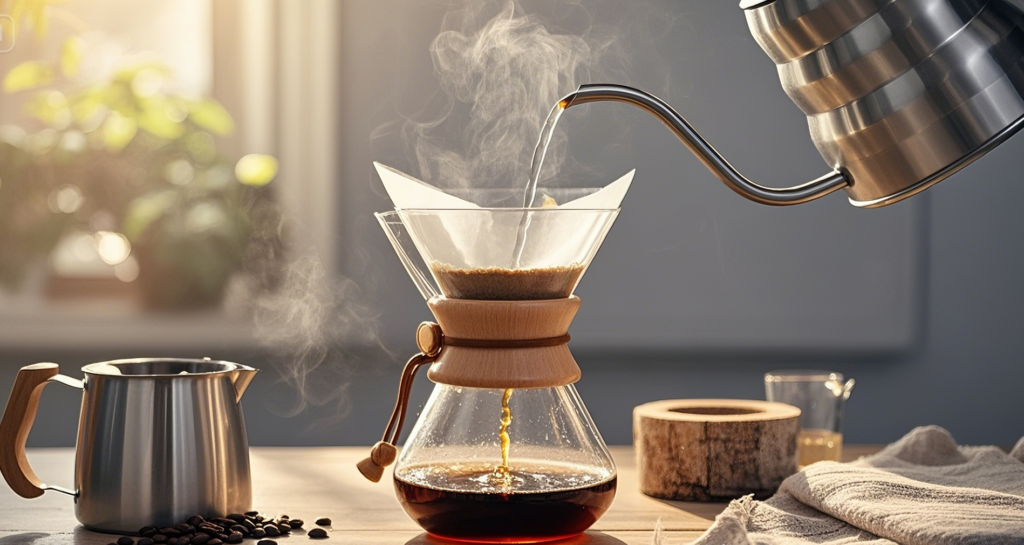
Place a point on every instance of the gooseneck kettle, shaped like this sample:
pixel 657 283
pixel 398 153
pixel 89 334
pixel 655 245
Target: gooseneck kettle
pixel 899 94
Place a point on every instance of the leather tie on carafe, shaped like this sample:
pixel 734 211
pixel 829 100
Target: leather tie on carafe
pixel 430 340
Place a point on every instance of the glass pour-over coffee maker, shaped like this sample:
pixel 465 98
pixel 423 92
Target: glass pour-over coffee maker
pixel 504 450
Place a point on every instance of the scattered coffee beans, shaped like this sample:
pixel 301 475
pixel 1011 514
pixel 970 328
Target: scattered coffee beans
pixel 232 529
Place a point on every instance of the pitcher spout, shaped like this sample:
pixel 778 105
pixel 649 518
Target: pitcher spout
pixel 240 379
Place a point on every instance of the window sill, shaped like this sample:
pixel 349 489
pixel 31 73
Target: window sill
pixel 113 325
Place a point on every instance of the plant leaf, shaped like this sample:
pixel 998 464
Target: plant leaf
pixel 51 108
pixel 210 115
pixel 256 169
pixel 37 12
pixel 86 103
pixel 143 211
pixel 118 131
pixel 154 120
pixel 28 75
pixel 70 56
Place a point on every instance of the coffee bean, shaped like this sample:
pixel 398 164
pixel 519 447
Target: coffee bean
pixel 185 540
pixel 317 533
pixel 237 517
pixel 259 518
pixel 196 521
pixel 295 523
pixel 125 541
pixel 266 542
pixel 210 528
pixel 248 525
pixel 252 513
pixel 234 538
pixel 240 529
pixel 215 541
pixel 170 532
pixel 258 533
pixel 199 539
pixel 172 541
pixel 323 521
pixel 184 528
pixel 285 529
pixel 271 530
pixel 225 522
pixel 285 517
pixel 145 541
pixel 147 531
pixel 159 538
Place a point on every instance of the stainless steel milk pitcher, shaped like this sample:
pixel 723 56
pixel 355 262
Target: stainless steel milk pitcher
pixel 159 440
pixel 899 94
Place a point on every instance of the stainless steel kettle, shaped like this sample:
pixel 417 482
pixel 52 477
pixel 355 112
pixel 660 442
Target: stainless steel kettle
pixel 899 94
pixel 159 440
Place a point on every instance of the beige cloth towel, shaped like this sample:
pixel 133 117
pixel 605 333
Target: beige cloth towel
pixel 922 490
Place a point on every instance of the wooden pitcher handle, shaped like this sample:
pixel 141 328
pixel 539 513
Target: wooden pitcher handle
pixel 17 423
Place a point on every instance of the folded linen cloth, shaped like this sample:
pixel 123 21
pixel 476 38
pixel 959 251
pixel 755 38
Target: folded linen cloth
pixel 922 490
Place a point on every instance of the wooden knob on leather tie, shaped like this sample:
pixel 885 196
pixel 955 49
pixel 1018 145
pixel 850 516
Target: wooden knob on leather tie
pixel 382 455
pixel 429 338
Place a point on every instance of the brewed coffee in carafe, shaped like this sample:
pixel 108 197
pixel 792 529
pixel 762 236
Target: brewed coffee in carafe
pixel 504 449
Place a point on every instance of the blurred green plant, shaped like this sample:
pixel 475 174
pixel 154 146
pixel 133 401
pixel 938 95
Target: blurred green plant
pixel 128 152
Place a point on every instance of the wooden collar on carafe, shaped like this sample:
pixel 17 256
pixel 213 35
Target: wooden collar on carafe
pixel 484 344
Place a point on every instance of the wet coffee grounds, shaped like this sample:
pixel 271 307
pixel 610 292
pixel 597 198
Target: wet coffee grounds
pixel 496 283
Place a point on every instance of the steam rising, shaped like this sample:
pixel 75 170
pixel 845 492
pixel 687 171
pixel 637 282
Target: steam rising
pixel 310 324
pixel 501 77
pixel 500 71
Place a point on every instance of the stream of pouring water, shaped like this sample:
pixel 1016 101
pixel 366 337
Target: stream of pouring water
pixel 530 196
pixel 502 473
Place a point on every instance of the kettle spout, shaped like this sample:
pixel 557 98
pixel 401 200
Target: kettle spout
pixel 240 379
pixel 708 155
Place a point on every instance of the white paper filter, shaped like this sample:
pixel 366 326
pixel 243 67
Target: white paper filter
pixel 482 239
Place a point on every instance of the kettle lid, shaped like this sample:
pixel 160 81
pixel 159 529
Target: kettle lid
pixel 751 4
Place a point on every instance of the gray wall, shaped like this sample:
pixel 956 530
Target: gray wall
pixel 956 366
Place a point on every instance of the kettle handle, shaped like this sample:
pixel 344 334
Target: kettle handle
pixel 16 424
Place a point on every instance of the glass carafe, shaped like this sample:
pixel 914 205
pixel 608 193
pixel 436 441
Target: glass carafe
pixel 556 481
pixel 504 450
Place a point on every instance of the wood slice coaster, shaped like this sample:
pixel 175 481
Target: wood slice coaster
pixel 714 449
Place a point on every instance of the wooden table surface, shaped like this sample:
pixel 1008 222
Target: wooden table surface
pixel 312 482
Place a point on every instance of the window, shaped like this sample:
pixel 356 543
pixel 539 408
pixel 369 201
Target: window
pixel 79 263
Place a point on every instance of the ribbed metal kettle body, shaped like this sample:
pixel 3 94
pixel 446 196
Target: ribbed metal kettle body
pixel 898 93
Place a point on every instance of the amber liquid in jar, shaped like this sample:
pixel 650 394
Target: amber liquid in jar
pixel 819 445
pixel 542 502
